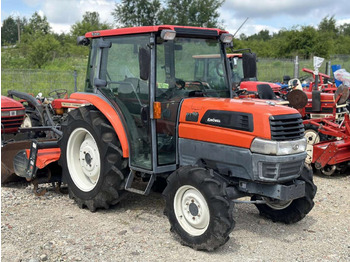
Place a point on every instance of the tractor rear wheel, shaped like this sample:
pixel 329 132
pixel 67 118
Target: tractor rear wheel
pixel 198 208
pixel 91 159
pixel 292 211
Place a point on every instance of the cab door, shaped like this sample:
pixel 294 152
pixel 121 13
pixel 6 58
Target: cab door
pixel 129 92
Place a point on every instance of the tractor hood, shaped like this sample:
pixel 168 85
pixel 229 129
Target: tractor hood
pixel 9 103
pixel 234 122
pixel 253 86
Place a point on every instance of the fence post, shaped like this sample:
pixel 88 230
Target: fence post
pixel 328 67
pixel 296 67
pixel 75 81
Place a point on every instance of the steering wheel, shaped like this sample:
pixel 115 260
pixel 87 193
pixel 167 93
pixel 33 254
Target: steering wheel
pixel 180 83
pixel 58 93
pixel 201 85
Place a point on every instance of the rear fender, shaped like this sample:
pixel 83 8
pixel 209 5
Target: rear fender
pixel 109 112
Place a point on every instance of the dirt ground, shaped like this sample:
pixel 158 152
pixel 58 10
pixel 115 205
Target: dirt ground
pixel 53 228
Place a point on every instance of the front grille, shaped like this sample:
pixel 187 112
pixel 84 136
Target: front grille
pixel 280 171
pixel 286 127
pixel 12 122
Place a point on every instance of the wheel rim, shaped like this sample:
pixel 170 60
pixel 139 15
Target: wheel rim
pixel 27 122
pixel 191 210
pixel 83 159
pixel 312 137
pixel 277 204
pixel 329 170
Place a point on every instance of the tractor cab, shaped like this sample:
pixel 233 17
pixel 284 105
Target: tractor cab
pixel 146 75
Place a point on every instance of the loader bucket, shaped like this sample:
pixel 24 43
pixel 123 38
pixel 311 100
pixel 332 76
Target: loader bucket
pixel 8 152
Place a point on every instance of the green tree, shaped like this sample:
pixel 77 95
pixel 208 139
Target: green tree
pixel 38 25
pixel 328 25
pixel 9 31
pixel 263 35
pixel 43 49
pixel 137 13
pixel 344 29
pixel 203 13
pixel 90 22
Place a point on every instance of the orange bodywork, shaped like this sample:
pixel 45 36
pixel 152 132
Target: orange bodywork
pixel 260 110
pixel 46 156
pixel 110 114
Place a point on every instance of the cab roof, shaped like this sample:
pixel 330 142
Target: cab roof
pixel 158 28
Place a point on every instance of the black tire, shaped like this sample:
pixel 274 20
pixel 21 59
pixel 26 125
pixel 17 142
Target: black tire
pixel 297 209
pixel 108 188
pixel 32 119
pixel 219 209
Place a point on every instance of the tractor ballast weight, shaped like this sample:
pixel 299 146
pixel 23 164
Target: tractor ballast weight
pixel 148 119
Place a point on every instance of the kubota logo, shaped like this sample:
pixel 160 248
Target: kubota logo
pixel 213 120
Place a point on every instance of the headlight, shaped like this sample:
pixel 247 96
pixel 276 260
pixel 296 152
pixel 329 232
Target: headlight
pixel 269 147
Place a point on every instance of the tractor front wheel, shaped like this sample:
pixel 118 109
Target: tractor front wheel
pixel 291 211
pixel 198 208
pixel 91 159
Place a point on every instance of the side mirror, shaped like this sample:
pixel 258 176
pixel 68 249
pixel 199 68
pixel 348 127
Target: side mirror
pixel 144 63
pixel 82 40
pixel 249 65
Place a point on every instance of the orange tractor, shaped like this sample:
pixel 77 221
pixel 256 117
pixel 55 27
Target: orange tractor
pixel 148 120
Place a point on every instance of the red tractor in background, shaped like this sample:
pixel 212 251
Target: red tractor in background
pixel 149 120
pixel 12 115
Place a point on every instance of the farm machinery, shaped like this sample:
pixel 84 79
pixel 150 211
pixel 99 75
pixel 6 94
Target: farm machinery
pixel 12 115
pixel 329 139
pixel 148 120
pixel 35 117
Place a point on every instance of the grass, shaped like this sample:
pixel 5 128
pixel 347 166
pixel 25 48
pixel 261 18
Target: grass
pixel 57 74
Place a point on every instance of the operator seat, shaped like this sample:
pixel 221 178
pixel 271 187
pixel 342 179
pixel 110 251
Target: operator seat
pixel 265 92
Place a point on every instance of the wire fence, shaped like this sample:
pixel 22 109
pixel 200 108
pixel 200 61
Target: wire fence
pixel 273 70
pixel 41 81
pixel 44 81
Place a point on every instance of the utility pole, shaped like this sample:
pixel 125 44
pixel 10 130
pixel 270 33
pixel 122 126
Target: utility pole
pixel 18 30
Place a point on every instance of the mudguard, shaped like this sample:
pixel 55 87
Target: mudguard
pixel 110 113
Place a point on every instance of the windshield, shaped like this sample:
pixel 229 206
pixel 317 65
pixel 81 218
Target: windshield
pixel 180 72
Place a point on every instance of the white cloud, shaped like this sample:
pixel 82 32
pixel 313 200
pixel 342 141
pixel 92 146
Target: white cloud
pixel 269 8
pixel 61 14
pixel 274 15
pixel 60 28
pixel 343 21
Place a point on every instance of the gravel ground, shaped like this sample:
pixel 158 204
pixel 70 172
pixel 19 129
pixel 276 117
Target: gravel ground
pixel 53 228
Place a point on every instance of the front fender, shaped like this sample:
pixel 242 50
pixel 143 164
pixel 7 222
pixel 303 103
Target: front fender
pixel 110 113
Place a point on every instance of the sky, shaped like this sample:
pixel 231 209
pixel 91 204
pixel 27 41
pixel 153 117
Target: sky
pixel 272 15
